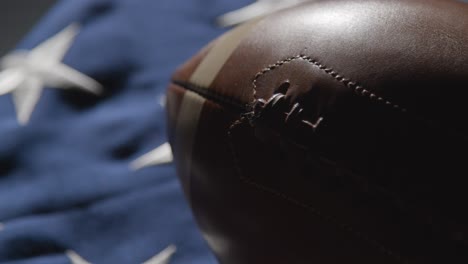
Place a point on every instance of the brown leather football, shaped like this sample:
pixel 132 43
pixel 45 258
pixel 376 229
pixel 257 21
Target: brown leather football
pixel 334 132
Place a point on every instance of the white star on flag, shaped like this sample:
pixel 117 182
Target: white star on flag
pixel 75 258
pixel 26 73
pixel 159 156
pixel 257 9
pixel 162 257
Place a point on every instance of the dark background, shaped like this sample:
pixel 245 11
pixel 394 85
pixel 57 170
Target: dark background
pixel 17 17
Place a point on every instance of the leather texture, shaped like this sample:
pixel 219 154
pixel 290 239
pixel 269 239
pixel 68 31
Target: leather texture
pixel 330 133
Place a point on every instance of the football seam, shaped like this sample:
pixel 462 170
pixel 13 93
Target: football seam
pixel 214 96
pixel 243 108
pixel 361 91
pixel 358 89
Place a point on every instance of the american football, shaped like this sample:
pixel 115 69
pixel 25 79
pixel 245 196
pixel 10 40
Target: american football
pixel 332 132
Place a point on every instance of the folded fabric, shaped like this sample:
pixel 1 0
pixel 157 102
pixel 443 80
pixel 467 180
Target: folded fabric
pixel 67 192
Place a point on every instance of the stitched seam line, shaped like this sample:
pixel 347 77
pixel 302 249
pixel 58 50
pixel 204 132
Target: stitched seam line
pixel 213 96
pixel 244 107
pixel 358 89
pixel 327 218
